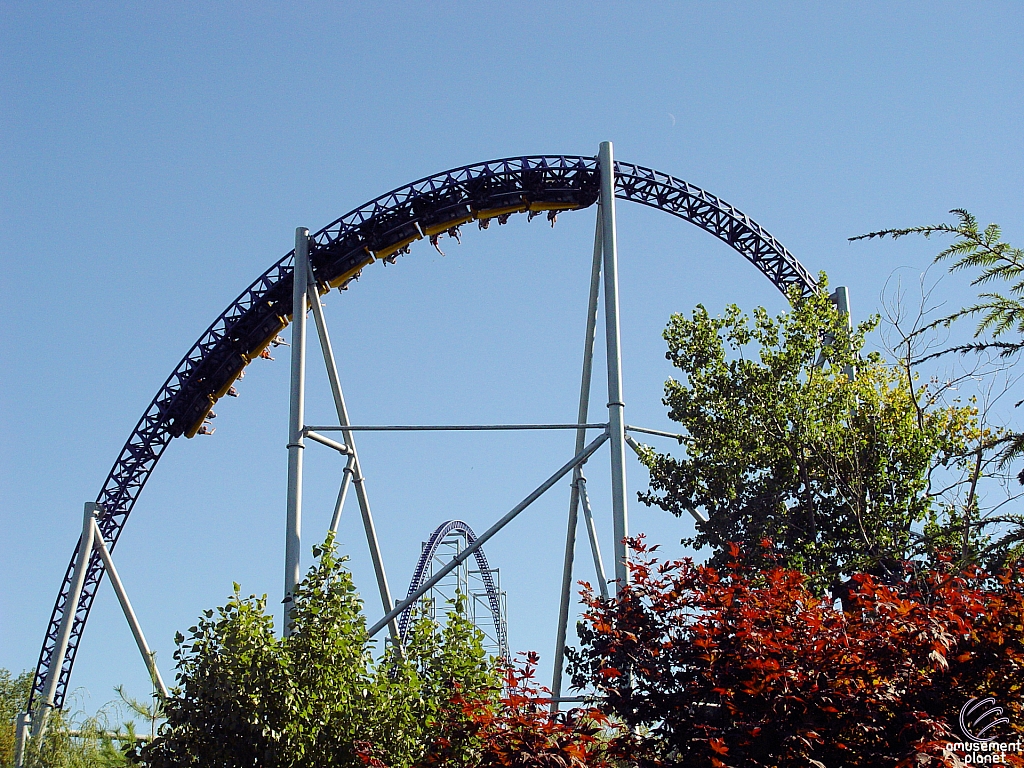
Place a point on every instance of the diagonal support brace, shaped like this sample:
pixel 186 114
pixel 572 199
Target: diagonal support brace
pixel 353 471
pixel 122 597
pixel 508 517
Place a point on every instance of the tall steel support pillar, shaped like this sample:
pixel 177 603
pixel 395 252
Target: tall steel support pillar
pixel 296 418
pixel 616 418
pixel 841 298
pixel 60 648
pixel 574 498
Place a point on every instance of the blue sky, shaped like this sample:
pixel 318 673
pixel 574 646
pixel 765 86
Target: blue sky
pixel 154 161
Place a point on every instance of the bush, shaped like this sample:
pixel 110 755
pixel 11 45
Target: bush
pixel 246 697
pixel 744 666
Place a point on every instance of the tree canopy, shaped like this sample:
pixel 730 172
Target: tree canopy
pixel 72 740
pixel 780 442
pixel 993 535
pixel 745 666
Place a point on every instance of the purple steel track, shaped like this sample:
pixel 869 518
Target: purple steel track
pixel 419 575
pixel 379 229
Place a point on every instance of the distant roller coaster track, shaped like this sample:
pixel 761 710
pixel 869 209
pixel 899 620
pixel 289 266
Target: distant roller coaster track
pixel 421 574
pixel 378 230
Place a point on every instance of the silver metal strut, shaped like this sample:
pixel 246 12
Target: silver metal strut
pixel 296 416
pixel 616 422
pixel 346 483
pixel 574 496
pixel 595 546
pixel 122 597
pixel 24 723
pixel 353 471
pixel 60 648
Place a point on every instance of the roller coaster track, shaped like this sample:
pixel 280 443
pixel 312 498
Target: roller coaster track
pixel 419 575
pixel 379 230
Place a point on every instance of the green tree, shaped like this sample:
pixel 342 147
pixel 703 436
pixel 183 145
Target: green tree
pixel 13 695
pixel 998 314
pixel 247 697
pixel 780 443
pixel 999 333
pixel 93 744
pixel 72 742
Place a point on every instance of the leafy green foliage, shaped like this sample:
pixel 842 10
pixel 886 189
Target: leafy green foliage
pixel 13 695
pixel 517 730
pixel 974 248
pixel 247 697
pixel 92 746
pixel 744 666
pixel 999 332
pixel 781 443
pixel 320 697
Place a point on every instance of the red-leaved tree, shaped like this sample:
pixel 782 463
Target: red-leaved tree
pixel 737 668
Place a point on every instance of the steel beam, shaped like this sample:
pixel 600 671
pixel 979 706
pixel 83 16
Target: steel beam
pixel 616 422
pixel 356 471
pixel 296 417
pixel 841 298
pixel 657 432
pixel 595 545
pixel 129 614
pixel 508 517
pixel 450 427
pixel 574 497
pixel 60 648
pixel 346 482
pixel 317 438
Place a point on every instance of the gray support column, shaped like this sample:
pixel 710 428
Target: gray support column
pixel 60 648
pixel 574 498
pixel 21 738
pixel 841 298
pixel 616 421
pixel 356 471
pixel 296 417
pixel 129 613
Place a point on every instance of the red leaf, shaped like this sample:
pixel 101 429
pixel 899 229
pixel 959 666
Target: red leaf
pixel 718 745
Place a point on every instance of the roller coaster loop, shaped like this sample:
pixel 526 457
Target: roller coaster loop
pixel 380 230
pixel 419 575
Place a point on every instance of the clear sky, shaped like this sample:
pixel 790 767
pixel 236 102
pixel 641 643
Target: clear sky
pixel 153 162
